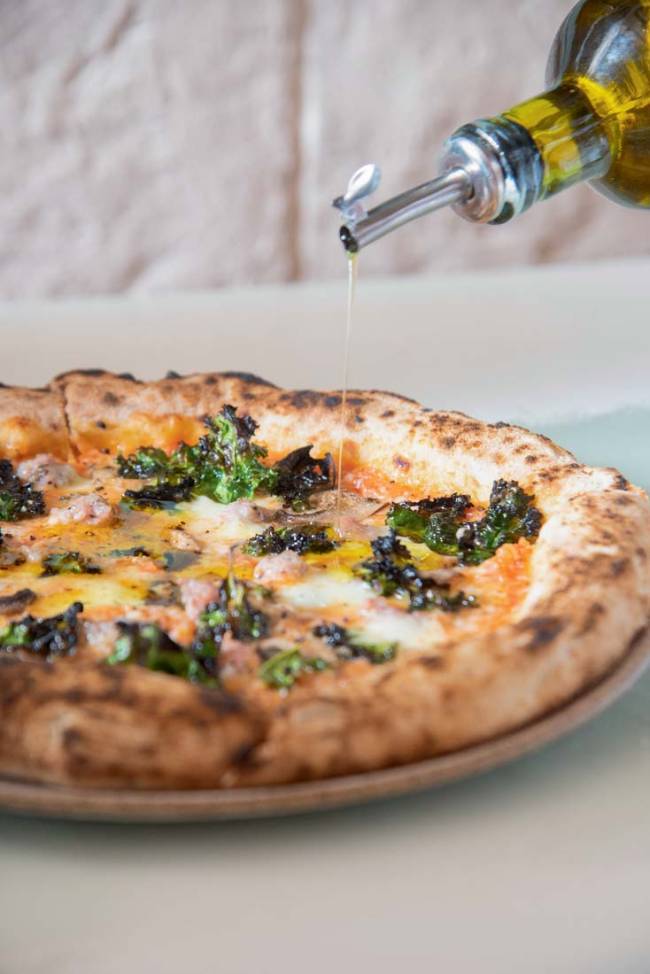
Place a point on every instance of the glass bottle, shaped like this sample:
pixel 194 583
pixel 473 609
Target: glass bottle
pixel 591 124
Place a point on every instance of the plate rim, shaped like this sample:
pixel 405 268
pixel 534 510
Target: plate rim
pixel 45 800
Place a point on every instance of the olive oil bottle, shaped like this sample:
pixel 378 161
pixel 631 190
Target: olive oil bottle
pixel 591 124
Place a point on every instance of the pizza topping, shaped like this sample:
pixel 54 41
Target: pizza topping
pixel 392 573
pixel 224 465
pixel 18 499
pixel 282 669
pixel 278 568
pixel 49 638
pixel 351 645
pixel 17 601
pixel 159 496
pixel 233 610
pixel 273 542
pixel 197 594
pixel 299 475
pixel 68 562
pixel 44 470
pixel 148 645
pixel 84 508
pixel 440 524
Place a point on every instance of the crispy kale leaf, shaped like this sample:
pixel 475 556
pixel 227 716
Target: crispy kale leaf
pixel 282 669
pixel 308 541
pixel 224 465
pixel 440 523
pixel 350 645
pixel 148 645
pixel 509 517
pixel 392 573
pixel 298 475
pixel 47 638
pixel 18 500
pixel 232 611
pixel 160 495
pixel 431 522
pixel 69 562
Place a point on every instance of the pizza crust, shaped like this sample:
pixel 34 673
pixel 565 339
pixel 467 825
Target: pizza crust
pixel 589 599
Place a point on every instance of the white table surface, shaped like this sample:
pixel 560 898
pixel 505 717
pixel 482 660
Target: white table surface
pixel 543 866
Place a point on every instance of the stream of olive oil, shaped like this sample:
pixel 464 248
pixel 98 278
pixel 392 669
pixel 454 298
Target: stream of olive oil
pixel 343 410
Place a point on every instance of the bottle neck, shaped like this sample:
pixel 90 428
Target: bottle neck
pixel 528 153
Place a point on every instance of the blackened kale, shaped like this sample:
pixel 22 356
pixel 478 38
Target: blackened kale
pixel 224 465
pixel 48 638
pixel 510 516
pixel 18 500
pixel 160 496
pixel 392 573
pixel 298 475
pixel 282 669
pixel 232 611
pixel 350 645
pixel 146 644
pixel 273 542
pixel 68 563
pixel 441 524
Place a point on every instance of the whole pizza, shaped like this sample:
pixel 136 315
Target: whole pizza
pixel 192 595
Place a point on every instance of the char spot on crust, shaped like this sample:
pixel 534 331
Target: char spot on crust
pixel 401 462
pixel 332 401
pixel 387 413
pixel 110 399
pixel 249 378
pixel 302 398
pixel 542 630
pixel 448 442
pixel 621 483
pixel 592 615
pixel 431 662
pixel 619 567
pixel 127 375
pixel 172 374
pixel 221 702
pixel 356 400
pixel 93 373
pixel 71 737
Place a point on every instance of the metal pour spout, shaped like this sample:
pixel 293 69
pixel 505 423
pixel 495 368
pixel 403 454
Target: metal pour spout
pixel 361 228
pixel 491 170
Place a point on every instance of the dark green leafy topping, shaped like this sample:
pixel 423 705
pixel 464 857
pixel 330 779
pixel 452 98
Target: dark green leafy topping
pixel 17 499
pixel 274 542
pixel 392 573
pixel 68 562
pixel 440 523
pixel 148 645
pixel 160 496
pixel 509 517
pixel 48 638
pixel 299 475
pixel 283 668
pixel 350 645
pixel 233 612
pixel 431 522
pixel 146 463
pixel 224 465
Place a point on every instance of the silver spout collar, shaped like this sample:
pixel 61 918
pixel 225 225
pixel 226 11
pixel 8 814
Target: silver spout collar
pixel 451 188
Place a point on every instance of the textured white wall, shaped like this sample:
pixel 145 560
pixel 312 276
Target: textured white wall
pixel 152 144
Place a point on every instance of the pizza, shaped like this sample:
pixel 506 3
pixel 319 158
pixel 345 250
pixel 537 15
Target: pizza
pixel 193 596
